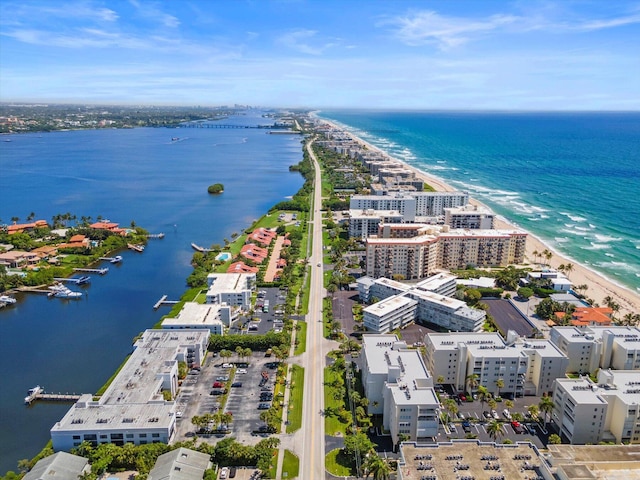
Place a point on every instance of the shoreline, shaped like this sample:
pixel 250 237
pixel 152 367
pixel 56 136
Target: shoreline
pixel 600 286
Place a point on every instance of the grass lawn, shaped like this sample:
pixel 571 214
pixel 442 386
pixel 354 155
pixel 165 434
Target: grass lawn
pixel 332 423
pixel 304 308
pixel 290 464
pixel 339 464
pixel 301 338
pixel 273 466
pixel 295 398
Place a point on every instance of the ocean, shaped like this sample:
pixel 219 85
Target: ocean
pixel 136 175
pixel 572 179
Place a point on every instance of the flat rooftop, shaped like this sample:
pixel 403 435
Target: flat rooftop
pixel 510 458
pixel 389 305
pixel 228 282
pixel 194 313
pixel 613 462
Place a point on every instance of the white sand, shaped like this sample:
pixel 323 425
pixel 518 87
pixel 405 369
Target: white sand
pixel 599 286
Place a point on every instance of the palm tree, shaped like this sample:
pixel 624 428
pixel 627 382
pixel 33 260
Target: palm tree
pixel 547 255
pixel 377 467
pixel 568 268
pixel 536 254
pixel 546 406
pixel 499 385
pixel 472 381
pixel 492 404
pixel 440 379
pixel 239 352
pixel 533 411
pixel 225 354
pixel 494 429
pixel 483 394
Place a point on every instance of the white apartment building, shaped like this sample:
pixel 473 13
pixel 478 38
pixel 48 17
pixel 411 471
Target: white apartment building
pixel 590 348
pixel 233 289
pixel 469 216
pixel 398 387
pixel 196 316
pixel 133 408
pixel 432 305
pixel 526 367
pixel 388 314
pixel 363 223
pixel 608 410
pixel 411 204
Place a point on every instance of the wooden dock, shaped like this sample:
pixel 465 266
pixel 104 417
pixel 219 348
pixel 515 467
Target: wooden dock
pixel 53 397
pixel 163 301
pixel 100 271
pixel 49 293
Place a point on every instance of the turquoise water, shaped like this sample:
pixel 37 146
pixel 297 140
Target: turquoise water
pixel 224 256
pixel 572 179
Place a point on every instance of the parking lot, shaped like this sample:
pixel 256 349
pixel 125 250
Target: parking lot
pixel 195 397
pixel 261 322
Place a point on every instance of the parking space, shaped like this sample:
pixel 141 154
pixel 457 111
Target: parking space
pixel 262 321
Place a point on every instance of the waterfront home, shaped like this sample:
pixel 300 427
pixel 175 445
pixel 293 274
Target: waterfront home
pixel 26 227
pixel 110 226
pixel 61 466
pixel 18 259
pixel 254 253
pixel 241 267
pixel 588 316
pixel 261 235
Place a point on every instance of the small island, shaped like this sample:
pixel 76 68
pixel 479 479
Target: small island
pixel 216 188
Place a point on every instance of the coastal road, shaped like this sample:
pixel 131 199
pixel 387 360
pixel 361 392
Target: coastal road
pixel 313 451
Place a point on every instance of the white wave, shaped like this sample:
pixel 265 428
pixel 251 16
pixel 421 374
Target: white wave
pixel 597 246
pixel 609 255
pixel 561 239
pixel 618 266
pixel 440 161
pixel 606 238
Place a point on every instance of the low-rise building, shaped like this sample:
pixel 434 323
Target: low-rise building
pixel 590 348
pixel 196 316
pixel 233 289
pixel 526 367
pixel 135 408
pixel 398 387
pixel 387 315
pixel 609 410
pixel 59 466
pixel 180 464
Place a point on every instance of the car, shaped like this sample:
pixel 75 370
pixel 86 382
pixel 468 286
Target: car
pixel 179 414
pixel 452 427
pixel 241 370
pixel 222 378
pixel 227 365
pixel 218 385
pixel 264 406
pixel 194 372
pixel 495 415
pixel 218 391
pixel 466 426
pixel 224 472
pixel 507 414
pixel 232 472
pixel 462 397
pixel 517 427
pixel 319 264
pixel 461 416
pixel 486 414
pixel 236 384
pixel 530 428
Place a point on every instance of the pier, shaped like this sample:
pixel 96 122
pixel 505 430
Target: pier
pixel 163 301
pixel 77 281
pixel 201 249
pixel 100 271
pixel 223 125
pixel 156 235
pixel 48 293
pixel 52 397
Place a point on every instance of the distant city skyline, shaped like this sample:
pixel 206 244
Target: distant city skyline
pixel 481 55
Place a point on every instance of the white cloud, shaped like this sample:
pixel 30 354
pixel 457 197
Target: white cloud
pixel 297 40
pixel 151 12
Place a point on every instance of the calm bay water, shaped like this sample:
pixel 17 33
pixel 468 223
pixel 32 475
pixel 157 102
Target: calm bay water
pixel 123 175
pixel 573 179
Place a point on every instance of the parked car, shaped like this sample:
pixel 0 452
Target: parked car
pixel 227 365
pixel 462 397
pixel 517 427
pixel 264 406
pixel 241 370
pixel 466 426
pixel 224 473
pixel 218 385
pixel 232 472
pixel 507 414
pixel 236 384
pixel 495 415
pixel 222 378
pixel 452 427
pixel 486 414
pixel 218 391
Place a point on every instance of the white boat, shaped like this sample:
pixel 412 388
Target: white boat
pixel 6 299
pixel 32 393
pixel 116 259
pixel 61 291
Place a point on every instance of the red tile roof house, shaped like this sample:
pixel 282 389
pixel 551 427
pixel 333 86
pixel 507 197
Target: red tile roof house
pixel 254 253
pixel 76 241
pixel 241 267
pixel 112 227
pixel 591 317
pixel 281 263
pixel 262 236
pixel 23 227
pixel 18 258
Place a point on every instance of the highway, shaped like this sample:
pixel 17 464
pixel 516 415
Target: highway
pixel 313 448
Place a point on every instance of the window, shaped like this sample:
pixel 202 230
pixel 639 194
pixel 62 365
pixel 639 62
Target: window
pixel 143 435
pixel 155 435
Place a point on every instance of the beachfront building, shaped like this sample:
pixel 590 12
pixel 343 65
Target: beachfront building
pixel 25 227
pixel 412 205
pixel 59 466
pixel 588 317
pixel 606 410
pixel 233 289
pixel 526 367
pixel 363 223
pixel 590 348
pixel 196 316
pixel 399 387
pixel 180 464
pixel 433 304
pixel 134 408
pixel 469 216
pixel 438 248
pixel 572 462
pixel 554 279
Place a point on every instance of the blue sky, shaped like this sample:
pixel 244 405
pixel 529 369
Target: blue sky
pixel 454 54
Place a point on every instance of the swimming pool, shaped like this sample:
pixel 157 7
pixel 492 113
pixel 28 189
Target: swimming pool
pixel 224 256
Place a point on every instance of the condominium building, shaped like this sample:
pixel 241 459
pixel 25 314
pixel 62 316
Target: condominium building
pixel 590 348
pixel 196 316
pixel 588 412
pixel 469 216
pixel 412 205
pixel 387 315
pixel 363 223
pixel 525 367
pixel 431 305
pixel 398 387
pixel 233 289
pixel 442 249
pixel 133 409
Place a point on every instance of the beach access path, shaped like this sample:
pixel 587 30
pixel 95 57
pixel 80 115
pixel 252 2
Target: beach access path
pixel 599 286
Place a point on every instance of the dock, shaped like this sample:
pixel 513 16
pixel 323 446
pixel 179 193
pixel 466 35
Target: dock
pixel 100 271
pixel 156 235
pixel 48 293
pixel 198 248
pixel 163 301
pixel 52 397
pixel 77 281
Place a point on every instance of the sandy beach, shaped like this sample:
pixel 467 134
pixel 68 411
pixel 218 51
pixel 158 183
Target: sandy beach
pixel 599 286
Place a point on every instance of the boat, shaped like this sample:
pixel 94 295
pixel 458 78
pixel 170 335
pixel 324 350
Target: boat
pixel 136 248
pixel 6 299
pixel 116 259
pixel 61 291
pixel 32 393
